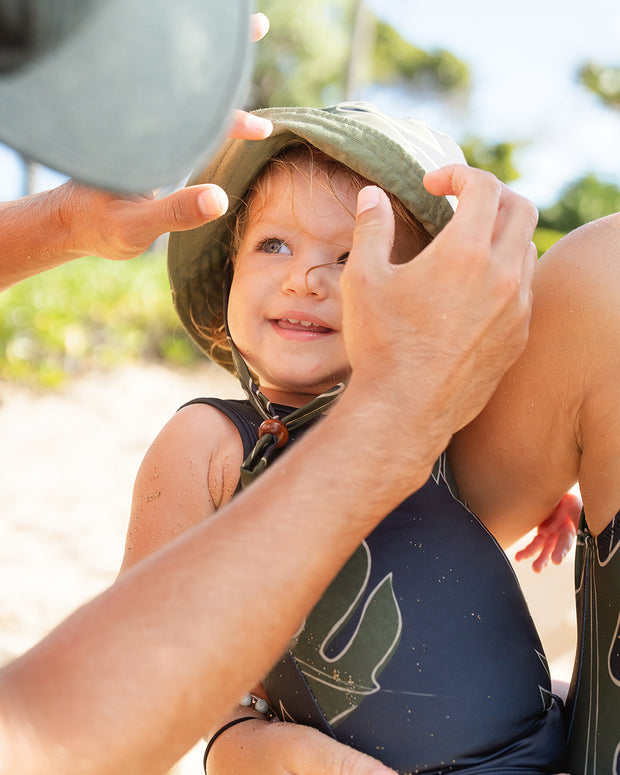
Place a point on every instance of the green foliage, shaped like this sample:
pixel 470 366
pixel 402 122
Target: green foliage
pixel 89 313
pixel 495 157
pixel 602 81
pixel 305 58
pixel 397 60
pixel 545 238
pixel 582 201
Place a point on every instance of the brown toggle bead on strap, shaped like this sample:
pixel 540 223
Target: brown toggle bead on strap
pixel 276 428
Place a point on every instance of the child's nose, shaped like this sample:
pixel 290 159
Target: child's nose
pixel 307 276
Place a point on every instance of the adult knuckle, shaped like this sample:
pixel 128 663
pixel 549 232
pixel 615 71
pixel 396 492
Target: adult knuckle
pixel 492 185
pixel 476 250
pixel 519 333
pixel 351 763
pixel 175 212
pixel 509 287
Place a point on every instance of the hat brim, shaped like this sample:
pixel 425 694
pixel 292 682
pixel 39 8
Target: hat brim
pixel 393 153
pixel 137 96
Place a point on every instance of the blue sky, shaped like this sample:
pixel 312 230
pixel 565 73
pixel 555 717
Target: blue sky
pixel 523 58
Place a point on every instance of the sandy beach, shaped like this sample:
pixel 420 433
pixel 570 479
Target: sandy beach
pixel 68 461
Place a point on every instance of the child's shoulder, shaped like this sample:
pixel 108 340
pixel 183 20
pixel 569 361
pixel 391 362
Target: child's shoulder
pixel 205 424
pixel 205 443
pixel 189 471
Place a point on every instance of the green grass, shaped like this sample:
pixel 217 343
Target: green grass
pixel 89 314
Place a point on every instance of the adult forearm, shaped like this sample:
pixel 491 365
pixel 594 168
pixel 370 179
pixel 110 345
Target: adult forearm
pixel 36 234
pixel 44 230
pixel 132 680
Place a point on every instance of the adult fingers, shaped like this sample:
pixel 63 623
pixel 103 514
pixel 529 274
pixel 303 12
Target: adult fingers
pixel 190 207
pixel 365 282
pixel 373 236
pixel 493 223
pixel 479 194
pixel 514 230
pixel 489 214
pixel 260 26
pixel 247 126
pixel 321 755
pixel 347 761
pixel 185 209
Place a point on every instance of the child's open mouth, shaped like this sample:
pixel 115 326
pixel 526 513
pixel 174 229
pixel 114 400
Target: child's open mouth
pixel 290 324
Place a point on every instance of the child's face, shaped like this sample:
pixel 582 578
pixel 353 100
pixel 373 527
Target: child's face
pixel 285 305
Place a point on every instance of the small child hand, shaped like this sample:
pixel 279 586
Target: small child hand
pixel 555 535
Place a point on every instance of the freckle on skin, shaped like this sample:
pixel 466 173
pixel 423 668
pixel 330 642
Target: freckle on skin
pixel 152 497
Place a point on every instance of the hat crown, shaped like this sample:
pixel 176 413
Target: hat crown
pixel 30 28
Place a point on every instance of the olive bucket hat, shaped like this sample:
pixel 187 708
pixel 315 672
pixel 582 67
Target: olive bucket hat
pixel 393 153
pixel 127 95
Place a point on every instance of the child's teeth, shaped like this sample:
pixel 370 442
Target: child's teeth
pixel 305 323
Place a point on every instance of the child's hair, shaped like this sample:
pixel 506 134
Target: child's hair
pixel 305 159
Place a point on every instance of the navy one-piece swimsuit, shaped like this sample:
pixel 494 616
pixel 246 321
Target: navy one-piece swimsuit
pixel 422 652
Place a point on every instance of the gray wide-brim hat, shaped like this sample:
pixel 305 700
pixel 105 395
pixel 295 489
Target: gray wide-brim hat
pixel 127 95
pixel 394 153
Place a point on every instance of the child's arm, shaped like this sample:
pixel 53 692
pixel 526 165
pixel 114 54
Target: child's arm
pixel 189 471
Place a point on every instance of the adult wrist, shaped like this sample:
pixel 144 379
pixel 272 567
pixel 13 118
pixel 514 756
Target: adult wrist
pixel 413 437
pixel 65 218
pixel 224 728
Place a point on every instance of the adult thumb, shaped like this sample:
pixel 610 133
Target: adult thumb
pixel 190 207
pixel 373 236
pixel 348 761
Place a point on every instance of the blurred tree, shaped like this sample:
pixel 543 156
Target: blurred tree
pixel 584 200
pixel 494 157
pixel 325 50
pixel 604 81
pixel 396 61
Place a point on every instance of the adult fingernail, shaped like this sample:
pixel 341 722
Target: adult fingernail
pixel 260 127
pixel 261 25
pixel 367 198
pixel 213 201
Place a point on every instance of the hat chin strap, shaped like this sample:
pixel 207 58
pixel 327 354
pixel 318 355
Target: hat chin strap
pixel 273 432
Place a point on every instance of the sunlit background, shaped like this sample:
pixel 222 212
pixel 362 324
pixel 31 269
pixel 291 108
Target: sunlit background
pixel 532 91
pixel 517 81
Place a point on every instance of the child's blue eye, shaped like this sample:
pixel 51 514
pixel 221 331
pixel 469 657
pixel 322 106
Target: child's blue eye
pixel 274 245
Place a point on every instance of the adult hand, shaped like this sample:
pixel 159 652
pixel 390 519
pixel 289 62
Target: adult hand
pixel 450 322
pixel 286 749
pixel 245 125
pixel 48 229
pixel 121 227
